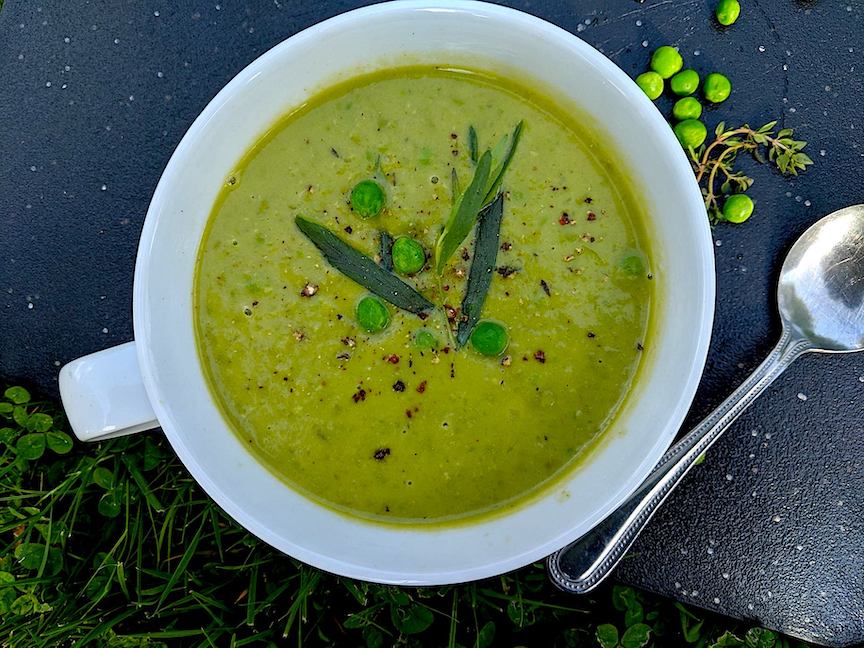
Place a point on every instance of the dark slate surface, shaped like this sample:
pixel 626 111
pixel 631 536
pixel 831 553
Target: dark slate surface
pixel 95 98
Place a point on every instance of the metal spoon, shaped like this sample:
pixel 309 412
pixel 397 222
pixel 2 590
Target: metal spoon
pixel 821 301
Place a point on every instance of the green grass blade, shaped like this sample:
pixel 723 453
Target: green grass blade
pixel 251 595
pixel 360 268
pixel 181 567
pixel 308 580
pixel 454 622
pixel 482 266
pixel 166 634
pixel 143 486
pixel 103 628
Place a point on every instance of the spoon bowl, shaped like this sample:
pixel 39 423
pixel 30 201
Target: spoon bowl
pixel 821 290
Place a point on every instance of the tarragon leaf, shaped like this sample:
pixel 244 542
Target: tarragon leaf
pixel 385 250
pixel 504 153
pixel 455 189
pixel 360 268
pixel 482 266
pixel 464 214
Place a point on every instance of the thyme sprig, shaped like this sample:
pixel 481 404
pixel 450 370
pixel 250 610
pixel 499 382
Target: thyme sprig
pixel 715 161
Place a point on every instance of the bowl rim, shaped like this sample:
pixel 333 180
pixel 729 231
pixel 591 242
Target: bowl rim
pixel 141 313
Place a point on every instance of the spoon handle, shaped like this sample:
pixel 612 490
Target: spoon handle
pixel 582 565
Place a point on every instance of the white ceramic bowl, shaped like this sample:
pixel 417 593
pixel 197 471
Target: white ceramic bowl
pixel 105 395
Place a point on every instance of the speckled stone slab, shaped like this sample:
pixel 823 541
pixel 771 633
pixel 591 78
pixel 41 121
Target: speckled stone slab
pixel 95 96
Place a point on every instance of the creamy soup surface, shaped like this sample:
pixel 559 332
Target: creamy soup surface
pixel 401 426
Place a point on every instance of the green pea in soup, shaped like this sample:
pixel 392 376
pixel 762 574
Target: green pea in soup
pixel 423 295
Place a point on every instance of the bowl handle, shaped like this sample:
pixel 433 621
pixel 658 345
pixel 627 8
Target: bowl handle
pixel 104 396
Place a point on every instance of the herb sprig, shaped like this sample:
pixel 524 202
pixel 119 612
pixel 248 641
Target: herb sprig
pixel 715 162
pixel 488 176
pixel 481 201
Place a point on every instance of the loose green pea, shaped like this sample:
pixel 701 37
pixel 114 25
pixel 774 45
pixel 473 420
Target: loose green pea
pixel 425 339
pixel 372 314
pixel 727 11
pixel 651 84
pixel 408 256
pixel 691 133
pixel 666 61
pixel 367 198
pixel 489 338
pixel 737 208
pixel 687 108
pixel 716 88
pixel 686 82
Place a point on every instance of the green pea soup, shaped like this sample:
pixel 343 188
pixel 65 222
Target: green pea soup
pixel 400 426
